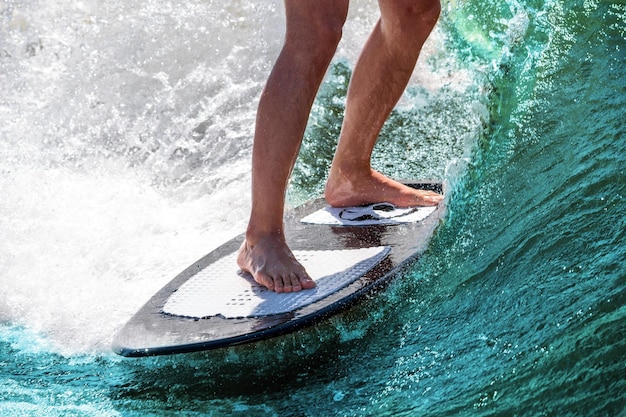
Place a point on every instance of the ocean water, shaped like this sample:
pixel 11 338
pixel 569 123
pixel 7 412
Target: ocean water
pixel 125 140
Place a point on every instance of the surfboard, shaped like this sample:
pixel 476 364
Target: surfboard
pixel 349 252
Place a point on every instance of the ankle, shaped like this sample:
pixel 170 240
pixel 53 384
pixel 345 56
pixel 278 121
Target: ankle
pixel 337 188
pixel 255 235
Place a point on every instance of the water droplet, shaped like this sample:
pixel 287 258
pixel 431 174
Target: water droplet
pixel 339 395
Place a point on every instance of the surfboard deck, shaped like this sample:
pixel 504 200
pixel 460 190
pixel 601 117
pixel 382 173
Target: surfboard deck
pixel 177 319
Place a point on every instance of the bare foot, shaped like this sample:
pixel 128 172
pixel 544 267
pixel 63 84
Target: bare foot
pixel 342 191
pixel 272 264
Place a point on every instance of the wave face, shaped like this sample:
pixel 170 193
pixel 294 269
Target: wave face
pixel 125 151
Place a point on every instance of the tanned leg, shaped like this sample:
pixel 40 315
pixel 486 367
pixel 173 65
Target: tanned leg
pixel 379 79
pixel 313 32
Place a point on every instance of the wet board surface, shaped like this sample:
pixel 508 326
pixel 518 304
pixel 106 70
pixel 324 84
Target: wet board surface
pixel 348 252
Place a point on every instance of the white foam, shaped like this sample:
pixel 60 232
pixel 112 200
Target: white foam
pixel 81 253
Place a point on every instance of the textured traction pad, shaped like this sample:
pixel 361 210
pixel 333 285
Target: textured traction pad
pixel 221 290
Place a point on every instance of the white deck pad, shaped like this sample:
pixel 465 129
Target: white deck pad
pixel 373 214
pixel 220 290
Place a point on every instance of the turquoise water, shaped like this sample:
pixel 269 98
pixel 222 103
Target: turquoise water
pixel 125 150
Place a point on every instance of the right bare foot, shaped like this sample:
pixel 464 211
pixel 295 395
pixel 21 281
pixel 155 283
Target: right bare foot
pixel 272 264
pixel 343 191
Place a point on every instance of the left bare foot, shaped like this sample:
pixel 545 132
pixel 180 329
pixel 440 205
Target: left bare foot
pixel 272 264
pixel 342 191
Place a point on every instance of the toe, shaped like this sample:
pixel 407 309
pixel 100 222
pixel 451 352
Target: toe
pixel 307 283
pixel 279 286
pixel 295 283
pixel 287 286
pixel 266 281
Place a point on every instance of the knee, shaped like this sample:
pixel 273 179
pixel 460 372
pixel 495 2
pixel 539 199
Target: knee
pixel 316 37
pixel 408 16
pixel 325 37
